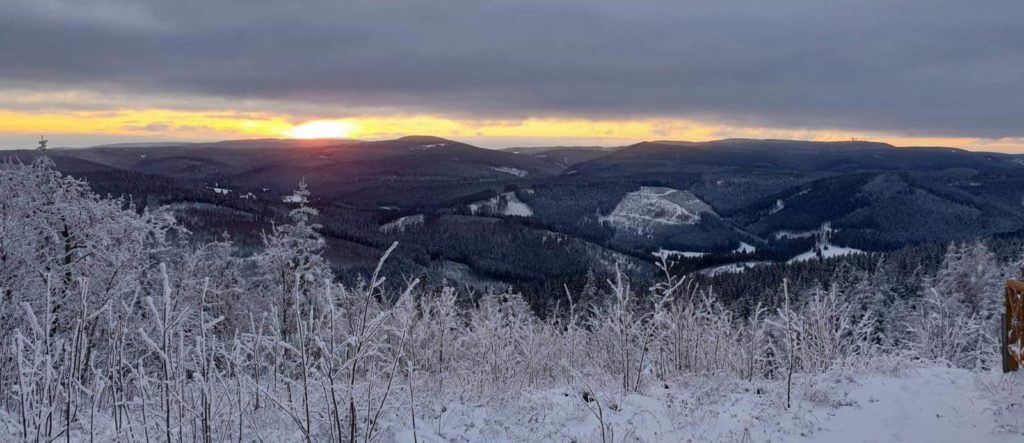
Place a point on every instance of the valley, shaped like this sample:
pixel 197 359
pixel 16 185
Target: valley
pixel 560 214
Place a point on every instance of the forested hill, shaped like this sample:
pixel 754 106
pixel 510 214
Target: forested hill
pixel 539 219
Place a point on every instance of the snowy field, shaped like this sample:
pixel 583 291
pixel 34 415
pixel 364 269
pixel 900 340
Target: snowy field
pixel 920 404
pixel 890 402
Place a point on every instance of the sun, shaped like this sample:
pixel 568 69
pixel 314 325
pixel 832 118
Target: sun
pixel 322 129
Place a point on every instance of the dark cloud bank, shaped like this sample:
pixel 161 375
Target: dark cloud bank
pixel 922 67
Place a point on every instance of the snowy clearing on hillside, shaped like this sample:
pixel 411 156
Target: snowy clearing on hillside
pixel 294 198
pixel 489 205
pixel 514 206
pixel 402 223
pixel 794 234
pixel 685 254
pixel 505 204
pixel 427 146
pixel 745 248
pixel 827 250
pixel 652 207
pixel 514 171
pixel 732 268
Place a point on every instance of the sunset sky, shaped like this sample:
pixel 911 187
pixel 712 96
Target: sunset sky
pixel 514 73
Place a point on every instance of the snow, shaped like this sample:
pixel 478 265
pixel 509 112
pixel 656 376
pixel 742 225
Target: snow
pixel 488 204
pixel 745 248
pixel 732 268
pixel 427 146
pixel 795 234
pixel 828 250
pixel 513 206
pixel 926 404
pixel 216 188
pixel 514 171
pixel 402 223
pixel 823 247
pixel 294 198
pixel 686 254
pixel 654 207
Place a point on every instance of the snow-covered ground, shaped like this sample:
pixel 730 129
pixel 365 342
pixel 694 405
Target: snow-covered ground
pixel 827 251
pixel 484 205
pixel 795 234
pixel 402 223
pixel 745 248
pixel 514 171
pixel 651 207
pixel 427 146
pixel 927 404
pixel 294 198
pixel 667 253
pixel 512 206
pixel 732 268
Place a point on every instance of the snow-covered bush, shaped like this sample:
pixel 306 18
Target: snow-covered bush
pixel 956 319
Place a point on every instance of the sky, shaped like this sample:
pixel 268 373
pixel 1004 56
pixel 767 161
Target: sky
pixel 513 73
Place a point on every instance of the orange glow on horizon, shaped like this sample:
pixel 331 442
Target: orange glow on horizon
pixel 322 129
pixel 171 125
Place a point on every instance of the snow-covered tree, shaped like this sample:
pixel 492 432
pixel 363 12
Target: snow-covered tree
pixel 291 264
pixel 955 318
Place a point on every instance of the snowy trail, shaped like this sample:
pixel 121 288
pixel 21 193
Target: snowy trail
pixel 926 405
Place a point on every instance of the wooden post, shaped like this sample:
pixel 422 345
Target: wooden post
pixel 1012 340
pixel 1003 339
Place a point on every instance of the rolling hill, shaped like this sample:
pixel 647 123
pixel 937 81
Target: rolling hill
pixel 713 203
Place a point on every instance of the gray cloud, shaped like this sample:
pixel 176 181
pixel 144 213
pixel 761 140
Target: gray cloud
pixel 916 67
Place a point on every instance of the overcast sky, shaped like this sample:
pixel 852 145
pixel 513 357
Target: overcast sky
pixel 928 69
